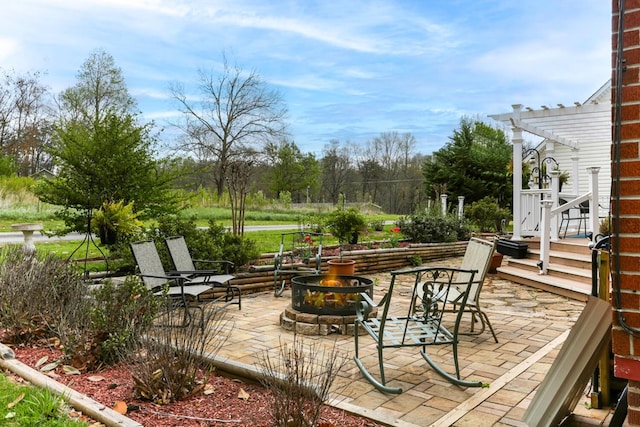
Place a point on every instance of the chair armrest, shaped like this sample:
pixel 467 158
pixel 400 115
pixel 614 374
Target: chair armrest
pixel 167 276
pixel 227 265
pixel 366 304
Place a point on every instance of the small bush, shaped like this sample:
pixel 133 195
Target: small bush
pixel 424 228
pixel 213 243
pixel 169 366
pixel 376 225
pixel 487 215
pixel 122 315
pixel 39 296
pixel 299 379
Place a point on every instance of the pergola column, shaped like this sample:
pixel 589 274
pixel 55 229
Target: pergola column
pixel 517 175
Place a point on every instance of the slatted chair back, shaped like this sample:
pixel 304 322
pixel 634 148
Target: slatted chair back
pixel 180 253
pixel 477 257
pixel 149 263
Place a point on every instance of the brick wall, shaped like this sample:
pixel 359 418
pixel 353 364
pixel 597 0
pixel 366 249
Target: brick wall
pixel 626 244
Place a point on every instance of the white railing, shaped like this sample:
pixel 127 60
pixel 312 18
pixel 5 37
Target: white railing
pixel 549 214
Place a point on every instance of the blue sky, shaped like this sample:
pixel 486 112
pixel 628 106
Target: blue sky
pixel 347 70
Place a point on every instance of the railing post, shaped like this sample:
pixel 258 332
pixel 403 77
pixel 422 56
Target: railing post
pixel 575 171
pixel 545 242
pixel 443 203
pixel 594 206
pixel 460 207
pixel 516 139
pixel 555 185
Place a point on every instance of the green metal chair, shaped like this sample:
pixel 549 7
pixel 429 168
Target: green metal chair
pixel 300 253
pixel 422 327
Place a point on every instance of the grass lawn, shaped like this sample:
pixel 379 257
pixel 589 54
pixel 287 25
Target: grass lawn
pixel 31 406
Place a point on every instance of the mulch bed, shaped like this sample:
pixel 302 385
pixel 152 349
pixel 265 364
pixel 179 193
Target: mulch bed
pixel 233 402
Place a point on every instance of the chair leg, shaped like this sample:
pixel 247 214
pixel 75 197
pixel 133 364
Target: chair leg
pixel 380 385
pixel 452 379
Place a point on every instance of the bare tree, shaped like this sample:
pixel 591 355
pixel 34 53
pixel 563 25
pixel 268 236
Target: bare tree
pixel 25 121
pixel 236 112
pixel 100 90
pixel 393 153
pixel 238 181
pixel 336 168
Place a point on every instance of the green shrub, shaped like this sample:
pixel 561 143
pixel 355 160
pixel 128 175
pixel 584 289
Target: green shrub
pixel 345 224
pixel 487 214
pixel 213 243
pixel 121 316
pixel 376 225
pixel 424 228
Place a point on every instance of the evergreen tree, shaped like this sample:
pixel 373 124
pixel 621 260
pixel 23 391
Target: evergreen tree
pixel 475 163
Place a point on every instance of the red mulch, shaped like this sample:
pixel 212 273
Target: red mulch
pixel 223 407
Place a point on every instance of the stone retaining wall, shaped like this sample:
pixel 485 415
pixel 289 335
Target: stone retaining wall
pixel 260 278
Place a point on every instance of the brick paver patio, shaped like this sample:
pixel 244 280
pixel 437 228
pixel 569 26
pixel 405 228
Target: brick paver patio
pixel 531 326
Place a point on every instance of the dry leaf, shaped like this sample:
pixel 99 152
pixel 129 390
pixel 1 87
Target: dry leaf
pixel 52 374
pixel 42 361
pixel 209 389
pixel 49 367
pixel 120 407
pixel 243 394
pixel 15 402
pixel 96 378
pixel 156 375
pixel 70 370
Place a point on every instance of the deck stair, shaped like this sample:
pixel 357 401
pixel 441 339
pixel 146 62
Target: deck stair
pixel 569 270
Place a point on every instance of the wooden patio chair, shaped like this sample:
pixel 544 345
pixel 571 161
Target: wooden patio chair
pixel 217 278
pixel 178 290
pixel 431 290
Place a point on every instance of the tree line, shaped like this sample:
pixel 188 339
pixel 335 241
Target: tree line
pixel 232 139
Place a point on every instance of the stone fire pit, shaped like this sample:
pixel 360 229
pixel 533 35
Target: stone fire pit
pixel 324 304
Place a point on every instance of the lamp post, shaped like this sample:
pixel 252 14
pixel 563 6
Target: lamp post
pixel 537 173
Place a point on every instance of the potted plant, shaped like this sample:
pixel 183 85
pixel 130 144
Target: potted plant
pixel 345 225
pixel 115 220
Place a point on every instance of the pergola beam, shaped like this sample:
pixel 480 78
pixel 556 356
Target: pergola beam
pixel 543 133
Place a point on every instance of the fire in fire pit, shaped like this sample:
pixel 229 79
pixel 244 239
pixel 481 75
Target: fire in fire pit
pixel 328 294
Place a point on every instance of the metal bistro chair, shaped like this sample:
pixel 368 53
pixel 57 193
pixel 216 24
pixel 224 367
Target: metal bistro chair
pixel 416 328
pixel 217 279
pixel 300 253
pixel 178 290
pixel 580 214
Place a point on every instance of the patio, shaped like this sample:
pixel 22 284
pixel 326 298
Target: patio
pixel 531 326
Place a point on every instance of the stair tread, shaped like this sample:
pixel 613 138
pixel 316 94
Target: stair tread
pixel 555 267
pixel 563 254
pixel 556 281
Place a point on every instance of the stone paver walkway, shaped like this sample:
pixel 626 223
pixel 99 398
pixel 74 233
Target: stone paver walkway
pixel 531 326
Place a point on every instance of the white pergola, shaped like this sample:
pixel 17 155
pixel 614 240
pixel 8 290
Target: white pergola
pixel 585 129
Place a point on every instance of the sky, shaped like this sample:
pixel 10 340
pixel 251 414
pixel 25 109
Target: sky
pixel 346 70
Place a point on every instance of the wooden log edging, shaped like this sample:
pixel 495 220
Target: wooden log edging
pixel 368 261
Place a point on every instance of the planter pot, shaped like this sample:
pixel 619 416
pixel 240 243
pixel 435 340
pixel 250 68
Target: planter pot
pixel 496 261
pixel 108 236
pixel 346 267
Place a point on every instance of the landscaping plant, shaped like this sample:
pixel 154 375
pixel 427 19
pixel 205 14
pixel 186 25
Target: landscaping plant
pixel 300 377
pixel 170 364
